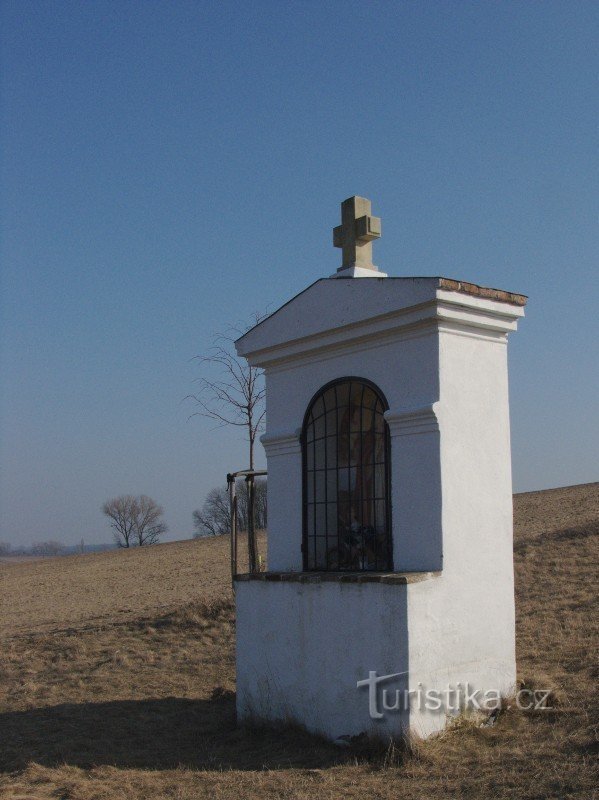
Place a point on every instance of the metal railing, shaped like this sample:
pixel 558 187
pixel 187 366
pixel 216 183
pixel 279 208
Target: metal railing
pixel 250 476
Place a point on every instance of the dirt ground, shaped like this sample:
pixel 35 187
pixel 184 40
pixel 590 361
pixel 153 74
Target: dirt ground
pixel 82 590
pixel 117 681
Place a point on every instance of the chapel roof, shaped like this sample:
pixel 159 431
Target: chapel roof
pixel 331 303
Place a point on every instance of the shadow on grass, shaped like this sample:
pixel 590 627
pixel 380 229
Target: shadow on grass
pixel 155 734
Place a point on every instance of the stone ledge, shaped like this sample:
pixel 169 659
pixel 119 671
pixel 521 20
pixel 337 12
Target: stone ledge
pixel 483 292
pixel 395 578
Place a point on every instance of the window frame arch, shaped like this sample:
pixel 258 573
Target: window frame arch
pixel 380 397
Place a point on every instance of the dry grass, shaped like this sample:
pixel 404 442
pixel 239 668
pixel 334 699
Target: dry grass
pixel 80 591
pixel 117 678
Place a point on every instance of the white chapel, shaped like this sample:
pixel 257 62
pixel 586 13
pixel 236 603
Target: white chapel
pixel 389 499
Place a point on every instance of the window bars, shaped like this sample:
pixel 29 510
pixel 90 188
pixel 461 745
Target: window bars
pixel 345 443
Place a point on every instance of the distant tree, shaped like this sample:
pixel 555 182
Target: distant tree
pixel 5 549
pixel 49 548
pixel 134 520
pixel 148 526
pixel 237 396
pixel 121 512
pixel 214 518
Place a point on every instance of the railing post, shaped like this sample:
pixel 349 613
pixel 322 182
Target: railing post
pixel 253 566
pixel 233 515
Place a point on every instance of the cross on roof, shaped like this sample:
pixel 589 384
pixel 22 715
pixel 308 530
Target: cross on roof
pixel 356 233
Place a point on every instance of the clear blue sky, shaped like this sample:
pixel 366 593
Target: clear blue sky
pixel 170 167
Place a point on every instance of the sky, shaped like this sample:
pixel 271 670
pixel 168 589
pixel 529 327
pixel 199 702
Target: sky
pixel 170 168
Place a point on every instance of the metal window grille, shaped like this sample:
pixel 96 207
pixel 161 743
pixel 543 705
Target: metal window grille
pixel 345 443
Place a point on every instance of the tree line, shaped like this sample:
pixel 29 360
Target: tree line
pixel 214 518
pixel 135 520
pixel 231 393
pixel 47 548
pixel 236 397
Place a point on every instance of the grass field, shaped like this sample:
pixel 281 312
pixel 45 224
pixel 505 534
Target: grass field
pixel 118 681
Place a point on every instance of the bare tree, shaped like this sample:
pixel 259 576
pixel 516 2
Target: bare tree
pixel 260 505
pixel 236 398
pixel 214 518
pixel 121 513
pixel 49 548
pixel 148 527
pixel 134 520
pixel 5 548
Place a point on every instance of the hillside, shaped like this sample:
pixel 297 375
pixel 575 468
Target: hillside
pixel 78 590
pixel 117 681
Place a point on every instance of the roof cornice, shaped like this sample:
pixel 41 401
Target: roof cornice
pixel 450 311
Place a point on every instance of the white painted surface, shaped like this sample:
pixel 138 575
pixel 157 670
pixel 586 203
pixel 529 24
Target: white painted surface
pixel 289 392
pixel 333 314
pixel 463 627
pixel 359 272
pixel 416 492
pixel 284 488
pixel 440 359
pixel 301 649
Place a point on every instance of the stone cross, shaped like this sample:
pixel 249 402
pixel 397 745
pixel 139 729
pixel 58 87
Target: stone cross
pixel 355 234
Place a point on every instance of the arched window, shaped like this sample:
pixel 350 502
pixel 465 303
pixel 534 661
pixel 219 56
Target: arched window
pixel 345 439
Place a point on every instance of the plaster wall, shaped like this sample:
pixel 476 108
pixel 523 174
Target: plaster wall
pixel 301 649
pixel 328 305
pixel 462 627
pixel 405 369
